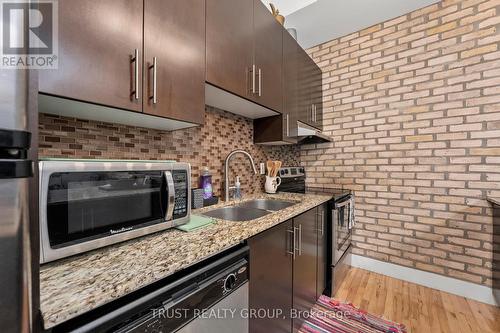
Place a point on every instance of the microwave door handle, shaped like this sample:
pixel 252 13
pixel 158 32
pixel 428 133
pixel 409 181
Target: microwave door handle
pixel 171 195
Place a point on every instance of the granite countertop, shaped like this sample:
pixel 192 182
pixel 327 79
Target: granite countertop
pixel 73 286
pixel 494 200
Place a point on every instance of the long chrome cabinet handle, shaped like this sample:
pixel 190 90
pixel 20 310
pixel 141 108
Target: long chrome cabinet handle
pixel 322 222
pixel 295 234
pixel 135 60
pixel 300 239
pixel 253 79
pixel 260 82
pixel 154 67
pixel 316 223
pixel 287 124
pixel 299 233
pixel 171 195
pixel 292 252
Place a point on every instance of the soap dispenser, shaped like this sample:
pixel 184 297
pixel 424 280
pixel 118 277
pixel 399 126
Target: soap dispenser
pixel 206 184
pixel 237 189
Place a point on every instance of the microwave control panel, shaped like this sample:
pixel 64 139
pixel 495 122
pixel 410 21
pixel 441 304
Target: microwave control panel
pixel 181 193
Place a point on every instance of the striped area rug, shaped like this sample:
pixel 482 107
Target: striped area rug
pixel 331 316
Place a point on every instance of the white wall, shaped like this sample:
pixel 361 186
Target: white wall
pixel 325 20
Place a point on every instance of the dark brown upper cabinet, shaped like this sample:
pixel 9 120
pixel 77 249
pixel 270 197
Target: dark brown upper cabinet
pixel 290 85
pixel 317 98
pixel 174 59
pixel 310 110
pixel 306 73
pixel 244 51
pixel 268 58
pixel 140 55
pixel 230 45
pixel 98 41
pixel 282 129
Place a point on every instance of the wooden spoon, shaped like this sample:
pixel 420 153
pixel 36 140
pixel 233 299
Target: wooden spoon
pixel 277 167
pixel 269 165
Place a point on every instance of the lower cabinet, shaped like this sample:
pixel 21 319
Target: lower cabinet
pixel 285 273
pixel 270 282
pixel 304 265
pixel 322 250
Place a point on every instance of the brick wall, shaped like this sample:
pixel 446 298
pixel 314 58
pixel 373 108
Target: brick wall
pixel 204 146
pixel 413 106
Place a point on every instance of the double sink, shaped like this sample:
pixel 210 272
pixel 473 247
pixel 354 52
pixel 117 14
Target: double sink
pixel 249 210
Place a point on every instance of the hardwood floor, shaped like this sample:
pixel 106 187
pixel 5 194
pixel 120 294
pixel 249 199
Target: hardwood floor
pixel 420 309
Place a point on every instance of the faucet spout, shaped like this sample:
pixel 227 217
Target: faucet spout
pixel 226 167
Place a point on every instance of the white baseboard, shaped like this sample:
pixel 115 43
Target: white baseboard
pixel 453 286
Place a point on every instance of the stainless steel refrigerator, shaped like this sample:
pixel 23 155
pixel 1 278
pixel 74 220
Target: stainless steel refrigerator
pixel 15 173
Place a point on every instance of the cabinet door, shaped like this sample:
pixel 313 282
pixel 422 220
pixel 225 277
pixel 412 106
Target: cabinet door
pixel 97 40
pixel 174 34
pixel 306 75
pixel 290 85
pixel 317 97
pixel 304 266
pixel 268 51
pixel 271 277
pixel 322 248
pixel 229 46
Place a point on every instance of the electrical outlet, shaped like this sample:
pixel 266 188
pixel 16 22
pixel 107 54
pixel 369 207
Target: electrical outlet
pixel 262 168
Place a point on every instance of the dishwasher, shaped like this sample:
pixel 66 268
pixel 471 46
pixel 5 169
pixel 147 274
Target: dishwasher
pixel 213 298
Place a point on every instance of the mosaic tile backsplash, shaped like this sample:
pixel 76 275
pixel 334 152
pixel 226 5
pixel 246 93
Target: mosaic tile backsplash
pixel 204 146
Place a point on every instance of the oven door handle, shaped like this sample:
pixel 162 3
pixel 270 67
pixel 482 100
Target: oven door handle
pixel 171 195
pixel 335 215
pixel 343 203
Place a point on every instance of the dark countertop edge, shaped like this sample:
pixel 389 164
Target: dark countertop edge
pixel 333 192
pixel 494 200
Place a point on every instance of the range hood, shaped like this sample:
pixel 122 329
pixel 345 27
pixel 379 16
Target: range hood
pixel 309 135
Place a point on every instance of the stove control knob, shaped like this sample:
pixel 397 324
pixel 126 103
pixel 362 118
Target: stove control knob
pixel 282 172
pixel 229 282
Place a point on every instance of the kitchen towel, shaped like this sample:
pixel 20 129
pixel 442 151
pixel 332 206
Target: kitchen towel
pixel 195 222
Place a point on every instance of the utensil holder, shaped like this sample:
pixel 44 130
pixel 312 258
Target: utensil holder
pixel 272 184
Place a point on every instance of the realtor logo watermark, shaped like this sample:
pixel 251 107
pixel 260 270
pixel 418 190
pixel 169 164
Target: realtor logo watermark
pixel 29 34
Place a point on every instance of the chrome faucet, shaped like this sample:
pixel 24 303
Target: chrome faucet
pixel 226 169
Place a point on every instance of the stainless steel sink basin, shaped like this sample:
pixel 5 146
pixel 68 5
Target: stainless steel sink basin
pixel 236 213
pixel 266 204
pixel 248 210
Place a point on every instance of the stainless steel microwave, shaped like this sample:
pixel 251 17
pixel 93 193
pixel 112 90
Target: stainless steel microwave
pixel 88 204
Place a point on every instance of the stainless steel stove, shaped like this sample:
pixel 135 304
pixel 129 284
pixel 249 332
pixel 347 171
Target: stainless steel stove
pixel 293 179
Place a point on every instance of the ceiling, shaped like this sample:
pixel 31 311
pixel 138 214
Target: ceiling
pixel 318 21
